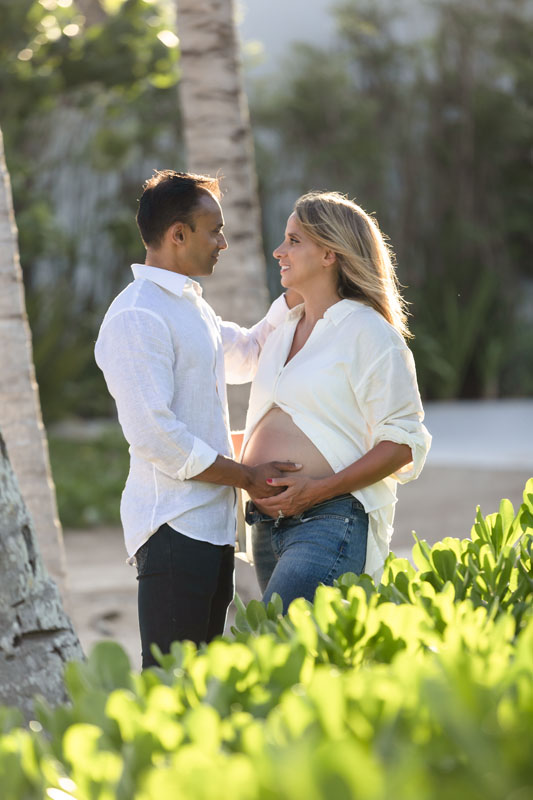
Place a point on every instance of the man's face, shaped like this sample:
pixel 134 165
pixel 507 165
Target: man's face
pixel 204 243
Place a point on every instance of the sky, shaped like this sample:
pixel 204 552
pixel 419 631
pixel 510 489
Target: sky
pixel 277 23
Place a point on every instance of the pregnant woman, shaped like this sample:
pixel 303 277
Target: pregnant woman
pixel 335 391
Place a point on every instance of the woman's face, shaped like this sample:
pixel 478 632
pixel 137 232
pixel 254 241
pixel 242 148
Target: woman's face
pixel 302 262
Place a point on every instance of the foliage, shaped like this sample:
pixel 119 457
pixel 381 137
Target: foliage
pixel 64 354
pixel 57 49
pixel 433 133
pixel 89 477
pixel 421 687
pixel 492 570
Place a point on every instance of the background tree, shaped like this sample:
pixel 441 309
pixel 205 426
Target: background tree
pixel 36 636
pixel 20 410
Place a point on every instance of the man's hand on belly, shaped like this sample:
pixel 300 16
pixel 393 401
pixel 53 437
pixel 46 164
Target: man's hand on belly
pixel 257 482
pixel 253 480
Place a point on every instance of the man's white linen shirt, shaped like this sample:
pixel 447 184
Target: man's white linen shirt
pixel 352 385
pixel 161 348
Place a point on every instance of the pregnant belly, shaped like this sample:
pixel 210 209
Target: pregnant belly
pixel 277 438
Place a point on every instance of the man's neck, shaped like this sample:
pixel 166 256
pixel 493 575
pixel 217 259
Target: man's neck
pixel 157 259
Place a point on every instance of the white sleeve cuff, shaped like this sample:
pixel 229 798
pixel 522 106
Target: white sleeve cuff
pixel 201 457
pixel 418 440
pixel 277 313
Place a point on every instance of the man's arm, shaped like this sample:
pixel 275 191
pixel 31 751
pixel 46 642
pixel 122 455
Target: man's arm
pixel 135 353
pixel 253 480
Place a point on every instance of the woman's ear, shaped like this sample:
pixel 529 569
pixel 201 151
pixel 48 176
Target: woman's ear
pixel 330 258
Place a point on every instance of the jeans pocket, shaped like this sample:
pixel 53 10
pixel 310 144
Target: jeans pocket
pixel 306 517
pixel 141 557
pixel 338 508
pixel 155 555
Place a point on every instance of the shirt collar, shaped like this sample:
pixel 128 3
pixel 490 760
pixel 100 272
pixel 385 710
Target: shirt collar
pixel 296 312
pixel 336 313
pixel 173 282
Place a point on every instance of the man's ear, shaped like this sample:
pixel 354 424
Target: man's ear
pixel 178 233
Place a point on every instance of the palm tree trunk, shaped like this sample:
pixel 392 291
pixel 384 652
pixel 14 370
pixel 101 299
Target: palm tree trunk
pixel 36 636
pixel 20 410
pixel 218 140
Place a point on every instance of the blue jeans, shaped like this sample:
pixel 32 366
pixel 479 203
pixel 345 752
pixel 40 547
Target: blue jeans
pixel 293 555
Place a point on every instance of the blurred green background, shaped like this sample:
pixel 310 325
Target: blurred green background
pixel 433 133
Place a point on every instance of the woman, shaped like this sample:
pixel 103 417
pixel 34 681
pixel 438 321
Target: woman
pixel 335 391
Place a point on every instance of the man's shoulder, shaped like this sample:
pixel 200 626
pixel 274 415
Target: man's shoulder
pixel 144 298
pixel 135 298
pixel 143 295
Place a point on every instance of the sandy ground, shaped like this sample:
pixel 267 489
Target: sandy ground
pixel 102 587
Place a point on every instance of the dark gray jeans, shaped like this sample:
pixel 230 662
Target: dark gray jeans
pixel 185 588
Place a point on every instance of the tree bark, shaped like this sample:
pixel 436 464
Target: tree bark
pixel 218 141
pixel 36 636
pixel 20 409
pixel 92 11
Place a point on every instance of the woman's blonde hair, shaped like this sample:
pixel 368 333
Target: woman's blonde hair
pixel 365 261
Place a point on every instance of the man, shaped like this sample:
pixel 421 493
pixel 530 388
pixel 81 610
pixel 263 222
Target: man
pixel 161 349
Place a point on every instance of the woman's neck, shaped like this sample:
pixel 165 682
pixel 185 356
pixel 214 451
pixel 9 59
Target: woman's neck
pixel 316 304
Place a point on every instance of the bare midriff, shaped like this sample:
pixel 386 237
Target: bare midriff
pixel 277 438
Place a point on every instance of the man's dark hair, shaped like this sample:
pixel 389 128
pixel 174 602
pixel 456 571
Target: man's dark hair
pixel 170 197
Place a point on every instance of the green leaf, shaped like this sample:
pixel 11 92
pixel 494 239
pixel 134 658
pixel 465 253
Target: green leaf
pixel 255 614
pixel 107 667
pixel 203 727
pixel 421 553
pixel 274 607
pixel 241 621
pixel 445 562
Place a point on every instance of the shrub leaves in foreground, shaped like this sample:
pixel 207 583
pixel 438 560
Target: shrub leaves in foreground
pixel 419 688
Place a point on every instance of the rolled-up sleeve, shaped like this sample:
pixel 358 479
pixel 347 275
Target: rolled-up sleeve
pixel 134 351
pixel 242 346
pixel 389 399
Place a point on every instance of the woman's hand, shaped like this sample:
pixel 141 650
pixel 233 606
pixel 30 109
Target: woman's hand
pixel 300 493
pixel 384 459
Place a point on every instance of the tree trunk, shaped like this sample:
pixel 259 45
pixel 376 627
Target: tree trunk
pixel 20 410
pixel 36 636
pixel 218 140
pixel 92 11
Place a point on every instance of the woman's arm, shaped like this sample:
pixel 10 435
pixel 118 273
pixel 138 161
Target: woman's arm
pixel 382 460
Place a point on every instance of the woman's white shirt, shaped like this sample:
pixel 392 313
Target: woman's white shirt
pixel 352 385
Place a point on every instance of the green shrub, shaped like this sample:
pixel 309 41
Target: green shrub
pixel 89 477
pixel 419 689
